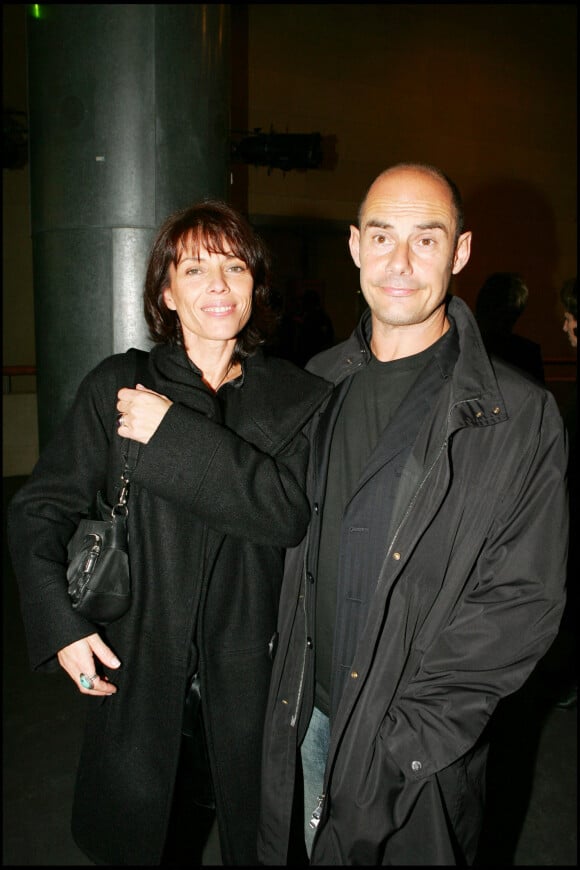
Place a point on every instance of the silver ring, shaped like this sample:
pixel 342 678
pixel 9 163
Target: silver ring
pixel 87 682
pixel 120 421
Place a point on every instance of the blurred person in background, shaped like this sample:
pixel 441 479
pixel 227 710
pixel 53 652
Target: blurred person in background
pixel 500 303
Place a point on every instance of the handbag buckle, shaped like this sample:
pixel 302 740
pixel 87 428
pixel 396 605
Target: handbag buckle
pixel 121 506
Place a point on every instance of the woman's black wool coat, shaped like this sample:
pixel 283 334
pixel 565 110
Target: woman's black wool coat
pixel 217 495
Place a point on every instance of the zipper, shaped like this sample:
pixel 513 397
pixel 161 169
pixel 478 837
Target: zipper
pixel 411 504
pixel 294 717
pixel 315 817
pixel 443 447
pixel 92 555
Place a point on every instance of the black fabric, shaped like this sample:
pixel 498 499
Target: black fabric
pixel 193 806
pixel 361 540
pixel 194 747
pixel 374 394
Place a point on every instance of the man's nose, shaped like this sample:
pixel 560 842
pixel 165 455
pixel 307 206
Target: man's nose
pixel 398 260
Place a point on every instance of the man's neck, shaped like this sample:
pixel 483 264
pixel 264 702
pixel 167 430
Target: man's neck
pixel 397 342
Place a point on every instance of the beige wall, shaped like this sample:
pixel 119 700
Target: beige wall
pixel 487 92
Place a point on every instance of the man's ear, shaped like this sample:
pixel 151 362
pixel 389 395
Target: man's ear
pixel 354 244
pixel 462 252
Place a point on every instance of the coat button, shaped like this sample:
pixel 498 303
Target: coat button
pixel 396 556
pixel 354 675
pixel 416 766
pixel 316 507
pixel 309 643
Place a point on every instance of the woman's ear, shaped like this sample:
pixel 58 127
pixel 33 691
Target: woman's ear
pixel 167 297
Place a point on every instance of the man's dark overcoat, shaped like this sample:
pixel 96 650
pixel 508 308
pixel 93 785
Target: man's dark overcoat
pixel 469 597
pixel 217 494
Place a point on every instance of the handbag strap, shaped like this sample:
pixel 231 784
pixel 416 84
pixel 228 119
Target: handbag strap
pixel 131 447
pixel 131 457
pixel 131 450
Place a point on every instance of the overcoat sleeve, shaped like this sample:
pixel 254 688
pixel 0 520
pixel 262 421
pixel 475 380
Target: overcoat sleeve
pixel 244 476
pixel 227 481
pixel 46 510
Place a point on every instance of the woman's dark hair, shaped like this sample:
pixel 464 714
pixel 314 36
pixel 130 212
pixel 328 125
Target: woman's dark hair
pixel 220 229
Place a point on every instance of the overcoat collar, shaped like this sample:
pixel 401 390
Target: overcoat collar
pixel 268 405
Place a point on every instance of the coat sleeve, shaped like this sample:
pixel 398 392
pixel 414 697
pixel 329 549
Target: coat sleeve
pixel 227 481
pixel 46 510
pixel 503 622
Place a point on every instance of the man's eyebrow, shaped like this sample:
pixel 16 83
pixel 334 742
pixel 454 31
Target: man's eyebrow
pixel 433 225
pixel 427 225
pixel 380 225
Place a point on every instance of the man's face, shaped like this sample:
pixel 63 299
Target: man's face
pixel 570 327
pixel 406 248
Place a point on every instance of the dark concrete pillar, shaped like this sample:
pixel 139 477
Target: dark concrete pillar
pixel 129 121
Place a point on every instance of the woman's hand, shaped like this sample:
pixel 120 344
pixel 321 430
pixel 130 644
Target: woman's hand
pixel 140 412
pixel 80 659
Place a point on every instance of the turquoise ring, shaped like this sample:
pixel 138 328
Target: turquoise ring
pixel 87 682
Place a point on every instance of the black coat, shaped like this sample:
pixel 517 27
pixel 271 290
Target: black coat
pixel 217 495
pixel 469 597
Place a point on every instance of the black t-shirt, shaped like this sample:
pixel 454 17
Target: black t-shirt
pixel 373 397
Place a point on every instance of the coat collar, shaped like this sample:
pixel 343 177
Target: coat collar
pixel 475 397
pixel 268 405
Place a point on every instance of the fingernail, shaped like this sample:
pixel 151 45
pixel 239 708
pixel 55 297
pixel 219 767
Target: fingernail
pixel 115 663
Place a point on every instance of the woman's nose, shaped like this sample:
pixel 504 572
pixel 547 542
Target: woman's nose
pixel 217 283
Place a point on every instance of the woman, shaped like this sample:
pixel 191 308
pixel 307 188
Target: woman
pixel 216 497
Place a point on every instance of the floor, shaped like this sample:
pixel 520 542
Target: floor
pixel 532 802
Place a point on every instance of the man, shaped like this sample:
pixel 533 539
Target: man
pixel 569 299
pixel 431 579
pixel 501 301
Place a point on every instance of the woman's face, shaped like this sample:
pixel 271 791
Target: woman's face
pixel 211 293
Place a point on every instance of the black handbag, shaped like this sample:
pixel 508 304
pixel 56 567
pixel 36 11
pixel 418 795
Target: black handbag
pixel 98 573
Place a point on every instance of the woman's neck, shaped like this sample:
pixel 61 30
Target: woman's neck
pixel 214 361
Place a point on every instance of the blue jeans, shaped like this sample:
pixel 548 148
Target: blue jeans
pixel 314 752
